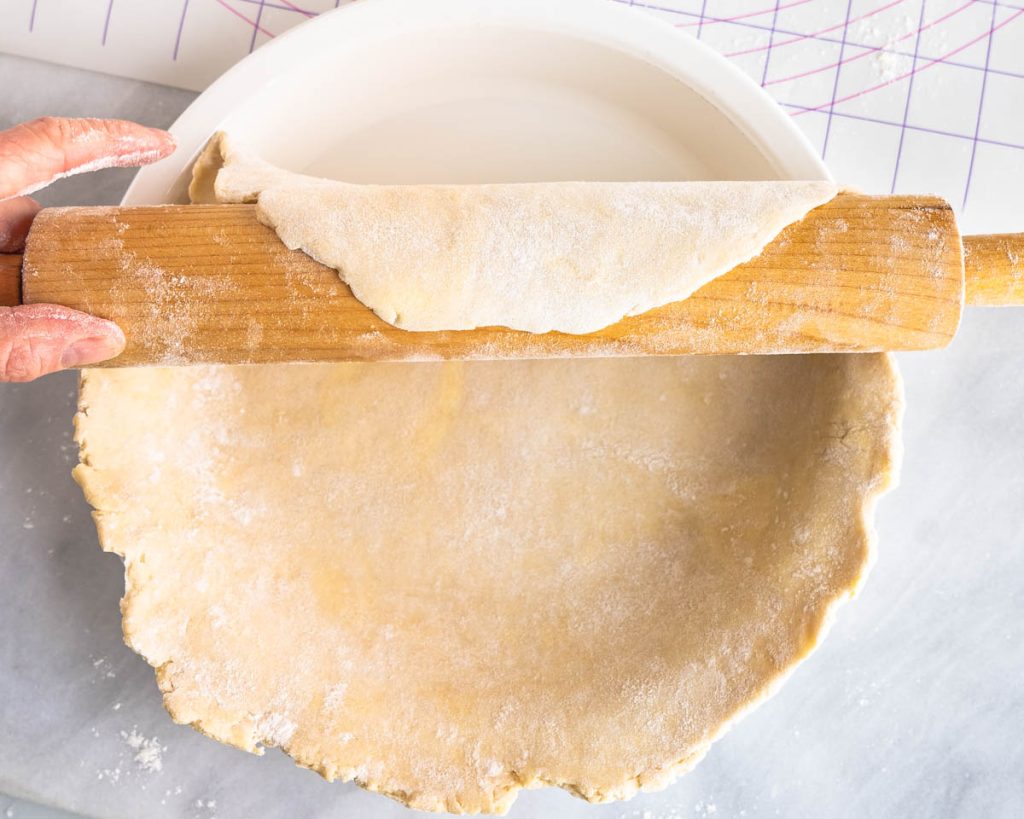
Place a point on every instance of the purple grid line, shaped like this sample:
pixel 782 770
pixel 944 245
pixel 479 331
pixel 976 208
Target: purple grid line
pixel 835 80
pixel 981 104
pixel 906 102
pixel 909 126
pixel 256 26
pixel 106 22
pixel 32 16
pixel 835 40
pixel 771 38
pixel 181 28
pixel 700 22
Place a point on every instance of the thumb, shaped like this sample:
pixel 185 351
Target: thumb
pixel 38 339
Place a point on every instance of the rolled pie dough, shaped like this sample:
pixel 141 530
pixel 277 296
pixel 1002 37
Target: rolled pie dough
pixel 451 581
pixel 567 256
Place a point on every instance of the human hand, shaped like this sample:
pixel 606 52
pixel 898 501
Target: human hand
pixel 42 338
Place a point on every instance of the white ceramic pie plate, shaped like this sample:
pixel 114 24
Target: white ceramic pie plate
pixel 501 90
pixel 486 91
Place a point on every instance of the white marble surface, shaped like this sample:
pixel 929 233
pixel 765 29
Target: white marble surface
pixel 914 706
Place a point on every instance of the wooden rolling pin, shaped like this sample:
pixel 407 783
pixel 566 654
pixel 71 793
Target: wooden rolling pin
pixel 209 283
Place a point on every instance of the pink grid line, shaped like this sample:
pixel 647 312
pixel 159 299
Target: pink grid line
pixel 875 49
pixel 772 10
pixel 816 34
pixel 832 40
pixel 256 27
pixel 927 65
pixel 293 7
pixel 283 5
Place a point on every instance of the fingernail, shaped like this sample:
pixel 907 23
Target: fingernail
pixel 164 136
pixel 90 350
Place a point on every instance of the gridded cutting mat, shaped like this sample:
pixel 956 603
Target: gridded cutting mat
pixel 898 95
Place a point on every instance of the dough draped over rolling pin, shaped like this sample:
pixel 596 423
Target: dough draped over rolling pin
pixel 566 256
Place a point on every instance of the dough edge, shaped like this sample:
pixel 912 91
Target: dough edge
pixel 883 475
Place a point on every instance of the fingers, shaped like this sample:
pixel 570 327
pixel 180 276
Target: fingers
pixel 39 339
pixel 16 217
pixel 36 153
pixel 42 338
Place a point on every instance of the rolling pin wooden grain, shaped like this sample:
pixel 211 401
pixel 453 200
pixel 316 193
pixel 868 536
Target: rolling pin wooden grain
pixel 210 284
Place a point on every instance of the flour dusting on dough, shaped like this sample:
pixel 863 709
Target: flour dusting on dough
pixel 568 256
pixel 484 577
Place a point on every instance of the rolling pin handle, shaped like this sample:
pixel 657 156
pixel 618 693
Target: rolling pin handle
pixel 994 270
pixel 10 279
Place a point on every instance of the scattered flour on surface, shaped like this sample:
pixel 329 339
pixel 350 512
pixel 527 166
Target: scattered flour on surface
pixel 104 669
pixel 169 793
pixel 890 40
pixel 703 809
pixel 148 752
pixel 205 808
